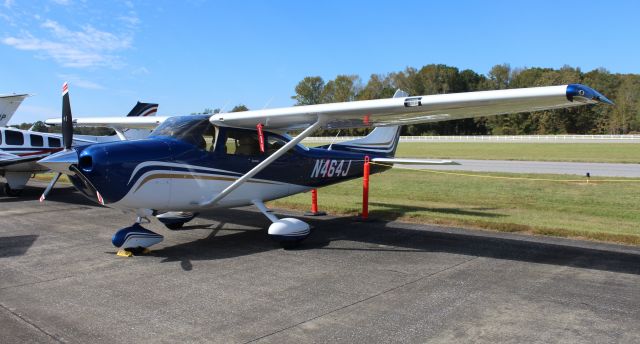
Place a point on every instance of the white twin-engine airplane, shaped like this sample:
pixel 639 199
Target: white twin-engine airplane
pixel 21 149
pixel 191 163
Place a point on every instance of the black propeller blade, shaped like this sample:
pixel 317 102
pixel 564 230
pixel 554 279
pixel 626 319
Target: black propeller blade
pixel 67 134
pixel 67 121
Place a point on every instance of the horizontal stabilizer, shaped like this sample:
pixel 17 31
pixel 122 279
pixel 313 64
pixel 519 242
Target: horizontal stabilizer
pixel 413 161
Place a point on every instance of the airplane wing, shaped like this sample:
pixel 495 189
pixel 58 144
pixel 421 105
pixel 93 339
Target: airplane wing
pixel 149 122
pixel 411 110
pixel 7 159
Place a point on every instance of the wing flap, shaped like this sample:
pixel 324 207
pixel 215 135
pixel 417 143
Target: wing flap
pixel 411 110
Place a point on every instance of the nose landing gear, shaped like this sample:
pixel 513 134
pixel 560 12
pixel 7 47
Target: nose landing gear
pixel 135 239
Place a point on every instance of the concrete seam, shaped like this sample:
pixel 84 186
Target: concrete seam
pixel 32 324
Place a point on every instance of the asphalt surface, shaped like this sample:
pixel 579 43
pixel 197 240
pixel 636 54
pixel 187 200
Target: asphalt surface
pixel 543 167
pixel 222 280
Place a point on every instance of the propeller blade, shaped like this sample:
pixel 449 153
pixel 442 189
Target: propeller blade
pixel 49 187
pixel 67 121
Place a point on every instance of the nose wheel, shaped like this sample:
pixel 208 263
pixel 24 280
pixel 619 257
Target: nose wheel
pixel 135 239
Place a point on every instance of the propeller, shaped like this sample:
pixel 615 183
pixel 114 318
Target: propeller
pixel 67 135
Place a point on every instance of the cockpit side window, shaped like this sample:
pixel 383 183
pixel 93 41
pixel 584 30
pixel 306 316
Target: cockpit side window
pixel 246 143
pixel 242 142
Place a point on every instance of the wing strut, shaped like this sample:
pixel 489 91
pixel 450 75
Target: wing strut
pixel 266 162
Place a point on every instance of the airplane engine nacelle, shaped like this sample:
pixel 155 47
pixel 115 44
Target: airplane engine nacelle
pixel 289 229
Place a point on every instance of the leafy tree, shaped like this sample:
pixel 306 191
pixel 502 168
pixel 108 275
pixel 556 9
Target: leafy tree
pixel 309 91
pixel 239 108
pixel 343 89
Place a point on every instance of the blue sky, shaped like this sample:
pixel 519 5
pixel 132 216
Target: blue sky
pixel 190 55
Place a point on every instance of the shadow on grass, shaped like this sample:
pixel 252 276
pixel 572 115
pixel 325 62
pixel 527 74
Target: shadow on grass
pixel 223 243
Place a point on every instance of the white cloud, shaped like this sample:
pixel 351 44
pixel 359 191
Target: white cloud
pixel 62 2
pixel 87 47
pixel 8 3
pixel 77 81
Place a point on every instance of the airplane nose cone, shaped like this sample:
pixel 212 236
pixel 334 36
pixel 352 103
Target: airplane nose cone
pixel 61 161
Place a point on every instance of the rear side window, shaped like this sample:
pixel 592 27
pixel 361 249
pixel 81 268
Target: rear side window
pixel 36 140
pixel 54 142
pixel 14 138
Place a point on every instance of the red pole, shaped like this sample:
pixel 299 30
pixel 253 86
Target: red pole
pixel 365 189
pixel 314 205
pixel 314 201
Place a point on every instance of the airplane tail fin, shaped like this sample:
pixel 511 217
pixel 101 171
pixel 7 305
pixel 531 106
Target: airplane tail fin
pixel 8 106
pixel 382 141
pixel 143 110
pixel 139 110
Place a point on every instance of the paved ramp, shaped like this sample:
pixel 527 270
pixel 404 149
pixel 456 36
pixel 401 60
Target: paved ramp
pixel 223 281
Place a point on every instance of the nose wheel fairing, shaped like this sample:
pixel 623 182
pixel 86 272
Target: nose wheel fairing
pixel 135 237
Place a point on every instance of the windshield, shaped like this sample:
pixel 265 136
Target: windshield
pixel 192 129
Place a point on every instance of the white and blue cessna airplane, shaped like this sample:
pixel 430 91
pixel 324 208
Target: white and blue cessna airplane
pixel 192 163
pixel 21 149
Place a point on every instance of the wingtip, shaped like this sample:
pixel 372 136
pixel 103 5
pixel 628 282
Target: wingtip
pixel 584 93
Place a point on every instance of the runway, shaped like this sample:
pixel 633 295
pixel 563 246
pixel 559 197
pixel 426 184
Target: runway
pixel 542 167
pixel 223 281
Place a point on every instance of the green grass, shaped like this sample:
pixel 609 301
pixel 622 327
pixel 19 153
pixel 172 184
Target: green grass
pixel 585 152
pixel 597 211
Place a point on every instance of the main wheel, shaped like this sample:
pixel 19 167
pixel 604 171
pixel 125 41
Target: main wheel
pixel 11 192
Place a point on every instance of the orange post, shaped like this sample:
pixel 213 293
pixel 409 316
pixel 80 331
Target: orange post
pixel 365 189
pixel 314 200
pixel 314 205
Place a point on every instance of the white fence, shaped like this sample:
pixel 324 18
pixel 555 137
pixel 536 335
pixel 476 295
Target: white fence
pixel 499 138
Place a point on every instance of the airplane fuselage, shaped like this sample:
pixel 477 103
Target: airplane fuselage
pixel 165 173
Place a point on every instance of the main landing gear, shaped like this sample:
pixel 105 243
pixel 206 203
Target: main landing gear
pixel 289 232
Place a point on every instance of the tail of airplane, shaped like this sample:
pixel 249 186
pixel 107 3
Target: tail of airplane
pixel 140 110
pixel 382 141
pixel 8 106
pixel 143 110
